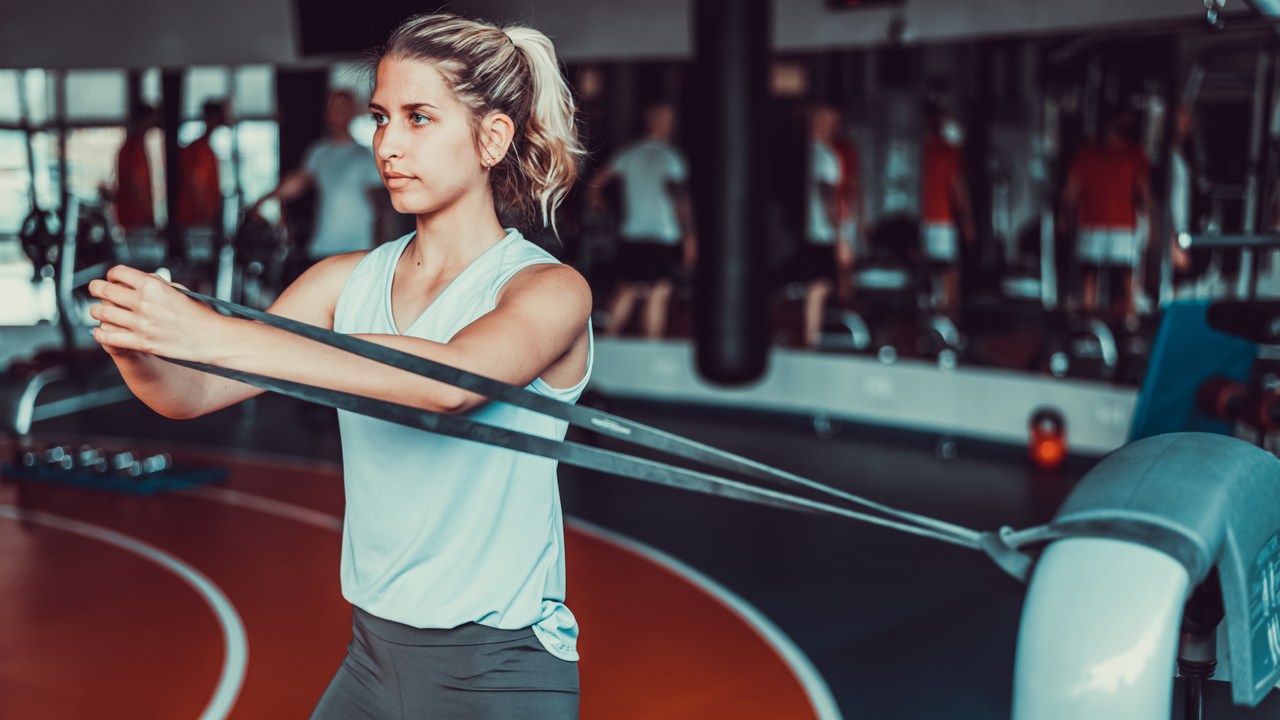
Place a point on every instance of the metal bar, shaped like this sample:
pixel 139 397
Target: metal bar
pixel 1244 286
pixel 25 408
pixel 66 271
pixel 24 115
pixel 60 120
pixel 1048 261
pixel 94 272
pixel 1234 241
pixel 92 399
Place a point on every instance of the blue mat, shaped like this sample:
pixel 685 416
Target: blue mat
pixel 1186 352
pixel 176 478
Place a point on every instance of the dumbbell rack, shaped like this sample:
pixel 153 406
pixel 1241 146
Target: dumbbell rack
pixel 136 478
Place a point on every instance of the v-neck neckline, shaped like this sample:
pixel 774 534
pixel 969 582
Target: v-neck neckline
pixel 391 279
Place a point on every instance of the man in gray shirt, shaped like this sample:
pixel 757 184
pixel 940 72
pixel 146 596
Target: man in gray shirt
pixel 344 174
pixel 656 236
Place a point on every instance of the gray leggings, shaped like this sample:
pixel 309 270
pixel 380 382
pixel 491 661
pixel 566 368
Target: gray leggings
pixel 397 672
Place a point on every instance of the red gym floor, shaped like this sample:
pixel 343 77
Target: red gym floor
pixel 99 619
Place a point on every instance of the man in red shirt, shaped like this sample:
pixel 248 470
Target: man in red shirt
pixel 200 195
pixel 133 202
pixel 200 201
pixel 1108 187
pixel 945 210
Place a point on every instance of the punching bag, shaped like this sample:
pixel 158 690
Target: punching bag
pixel 728 108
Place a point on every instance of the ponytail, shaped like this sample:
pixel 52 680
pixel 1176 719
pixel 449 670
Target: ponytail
pixel 514 71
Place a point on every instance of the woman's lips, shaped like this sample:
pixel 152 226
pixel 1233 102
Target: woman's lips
pixel 395 182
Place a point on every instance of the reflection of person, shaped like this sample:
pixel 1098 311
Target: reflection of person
pixel 345 174
pixel 657 226
pixel 200 187
pixel 453 551
pixel 1107 188
pixel 134 206
pixel 849 203
pixel 826 255
pixel 944 207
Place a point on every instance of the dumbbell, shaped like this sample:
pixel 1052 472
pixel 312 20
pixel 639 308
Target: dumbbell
pixel 148 466
pixel 91 458
pixel 1222 398
pixel 59 456
pixel 1229 401
pixel 119 462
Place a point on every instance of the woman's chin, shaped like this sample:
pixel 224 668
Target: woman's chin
pixel 410 206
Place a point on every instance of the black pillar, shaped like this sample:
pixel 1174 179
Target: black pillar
pixel 171 116
pixel 730 309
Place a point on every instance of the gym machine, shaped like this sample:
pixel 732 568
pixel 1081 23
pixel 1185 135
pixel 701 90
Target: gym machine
pixel 1169 537
pixel 74 250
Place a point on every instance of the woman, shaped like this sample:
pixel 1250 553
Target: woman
pixel 452 551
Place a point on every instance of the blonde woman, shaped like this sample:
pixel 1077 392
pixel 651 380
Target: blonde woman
pixel 453 552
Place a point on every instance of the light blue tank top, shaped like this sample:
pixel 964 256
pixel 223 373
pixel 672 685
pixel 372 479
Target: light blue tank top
pixel 440 531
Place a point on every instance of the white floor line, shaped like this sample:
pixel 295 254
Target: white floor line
pixel 814 686
pixel 267 505
pixel 236 659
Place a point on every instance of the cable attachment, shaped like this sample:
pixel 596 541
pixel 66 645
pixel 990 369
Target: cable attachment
pixel 998 547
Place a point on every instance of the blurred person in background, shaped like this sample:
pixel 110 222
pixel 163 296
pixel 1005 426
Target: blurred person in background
pixel 945 210
pixel 1108 187
pixel 826 255
pixel 345 177
pixel 200 201
pixel 657 235
pixel 849 203
pixel 133 201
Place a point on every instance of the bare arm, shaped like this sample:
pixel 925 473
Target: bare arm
pixel 683 201
pixel 603 177
pixel 1144 204
pixel 290 188
pixel 179 392
pixel 537 329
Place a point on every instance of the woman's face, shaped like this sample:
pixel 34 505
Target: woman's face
pixel 424 144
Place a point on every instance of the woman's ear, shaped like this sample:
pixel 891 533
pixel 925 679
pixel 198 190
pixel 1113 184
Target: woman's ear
pixel 496 133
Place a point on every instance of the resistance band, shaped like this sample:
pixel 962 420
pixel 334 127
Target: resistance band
pixel 995 544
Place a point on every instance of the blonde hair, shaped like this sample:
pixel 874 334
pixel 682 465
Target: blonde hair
pixel 512 70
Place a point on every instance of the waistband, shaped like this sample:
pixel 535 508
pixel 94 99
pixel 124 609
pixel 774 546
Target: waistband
pixel 465 634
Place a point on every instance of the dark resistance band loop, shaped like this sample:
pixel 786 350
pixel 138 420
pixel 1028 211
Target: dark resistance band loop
pixel 578 416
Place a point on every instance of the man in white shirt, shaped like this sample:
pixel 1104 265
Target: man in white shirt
pixel 657 235
pixel 825 254
pixel 345 176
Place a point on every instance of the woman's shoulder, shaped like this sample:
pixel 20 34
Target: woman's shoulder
pixel 548 287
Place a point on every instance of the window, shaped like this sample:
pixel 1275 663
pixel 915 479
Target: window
pixel 91 124
pixel 15 181
pixel 91 161
pixel 38 96
pixel 10 103
pixel 258 148
pixel 201 85
pixel 96 96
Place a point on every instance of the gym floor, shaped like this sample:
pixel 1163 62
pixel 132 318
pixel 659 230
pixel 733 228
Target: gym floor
pixel 897 626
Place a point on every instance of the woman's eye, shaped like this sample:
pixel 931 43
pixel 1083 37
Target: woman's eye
pixel 418 119
pixel 378 119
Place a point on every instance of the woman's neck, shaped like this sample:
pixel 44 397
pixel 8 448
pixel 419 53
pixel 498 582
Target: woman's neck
pixel 457 234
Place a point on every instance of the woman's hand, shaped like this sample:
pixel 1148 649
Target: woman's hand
pixel 144 313
pixel 108 328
